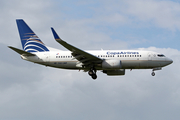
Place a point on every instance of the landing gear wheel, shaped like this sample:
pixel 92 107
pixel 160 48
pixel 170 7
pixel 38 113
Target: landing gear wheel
pixel 153 73
pixel 90 73
pixel 94 76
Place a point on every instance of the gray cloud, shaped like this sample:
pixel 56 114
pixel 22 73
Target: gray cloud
pixel 141 13
pixel 165 14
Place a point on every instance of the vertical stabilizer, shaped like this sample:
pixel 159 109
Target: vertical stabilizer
pixel 30 41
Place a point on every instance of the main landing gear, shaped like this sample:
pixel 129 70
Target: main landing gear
pixel 92 73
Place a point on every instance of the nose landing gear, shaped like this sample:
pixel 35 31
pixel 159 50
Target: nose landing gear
pixel 153 73
pixel 154 69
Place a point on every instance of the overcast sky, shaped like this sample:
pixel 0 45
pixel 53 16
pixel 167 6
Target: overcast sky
pixel 30 91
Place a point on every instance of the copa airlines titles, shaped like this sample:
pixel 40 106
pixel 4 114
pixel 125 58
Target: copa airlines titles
pixel 114 53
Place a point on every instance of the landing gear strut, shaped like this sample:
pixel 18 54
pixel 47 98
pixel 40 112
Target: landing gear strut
pixel 92 73
pixel 154 69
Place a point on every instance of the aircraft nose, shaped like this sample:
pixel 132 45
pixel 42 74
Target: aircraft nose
pixel 169 61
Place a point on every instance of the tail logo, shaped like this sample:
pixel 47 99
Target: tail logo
pixel 32 43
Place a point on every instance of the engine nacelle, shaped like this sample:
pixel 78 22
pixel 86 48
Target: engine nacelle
pixel 114 72
pixel 111 64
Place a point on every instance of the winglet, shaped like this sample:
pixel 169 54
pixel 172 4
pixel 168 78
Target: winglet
pixel 56 37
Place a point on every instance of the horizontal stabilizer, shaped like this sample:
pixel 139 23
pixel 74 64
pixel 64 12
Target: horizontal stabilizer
pixel 21 52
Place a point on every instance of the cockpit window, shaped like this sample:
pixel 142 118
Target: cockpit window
pixel 161 55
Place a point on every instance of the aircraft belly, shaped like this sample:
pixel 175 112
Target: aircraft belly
pixel 130 64
pixel 140 64
pixel 150 64
pixel 64 64
pixel 153 64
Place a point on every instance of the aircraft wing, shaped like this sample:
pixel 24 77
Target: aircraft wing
pixel 21 52
pixel 84 57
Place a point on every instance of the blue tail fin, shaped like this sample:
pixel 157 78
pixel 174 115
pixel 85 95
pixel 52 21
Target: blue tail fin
pixel 30 41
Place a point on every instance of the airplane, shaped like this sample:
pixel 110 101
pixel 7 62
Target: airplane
pixel 110 62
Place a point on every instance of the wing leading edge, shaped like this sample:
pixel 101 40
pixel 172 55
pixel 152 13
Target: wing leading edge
pixel 84 57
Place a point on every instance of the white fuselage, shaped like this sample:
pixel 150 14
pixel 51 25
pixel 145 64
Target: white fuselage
pixel 130 59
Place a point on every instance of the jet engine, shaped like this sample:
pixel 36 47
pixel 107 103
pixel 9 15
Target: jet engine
pixel 111 64
pixel 114 72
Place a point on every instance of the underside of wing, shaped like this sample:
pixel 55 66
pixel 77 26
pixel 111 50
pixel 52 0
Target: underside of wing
pixel 84 58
